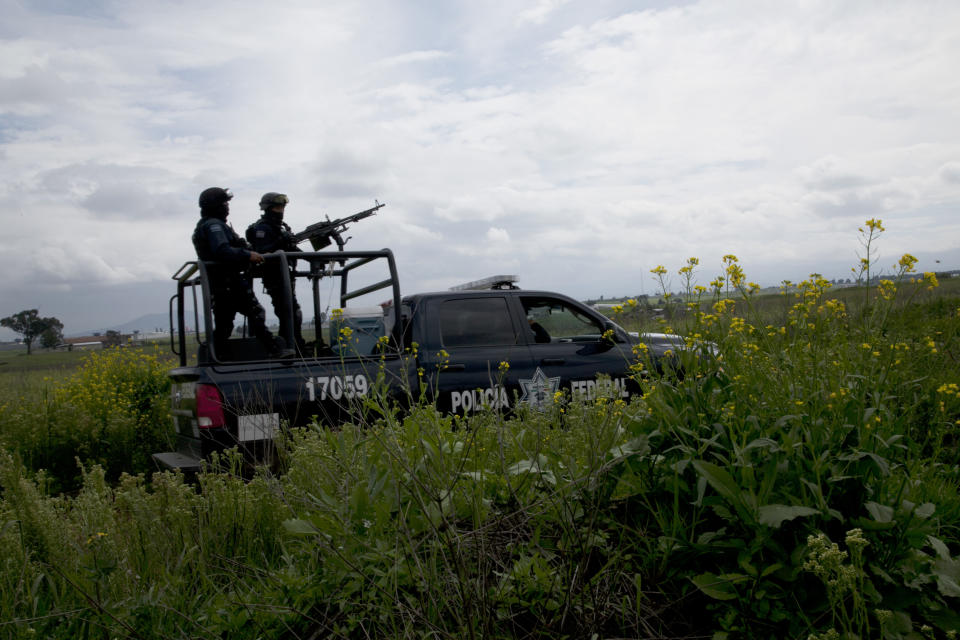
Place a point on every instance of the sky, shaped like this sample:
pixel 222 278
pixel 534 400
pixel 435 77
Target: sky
pixel 576 144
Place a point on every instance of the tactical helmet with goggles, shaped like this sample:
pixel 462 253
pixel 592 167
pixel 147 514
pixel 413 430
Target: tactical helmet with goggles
pixel 272 199
pixel 214 197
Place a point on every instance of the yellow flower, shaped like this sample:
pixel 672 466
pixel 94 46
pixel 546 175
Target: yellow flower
pixel 723 305
pixel 735 274
pixel 659 270
pixel 950 388
pixel 907 263
pixel 887 289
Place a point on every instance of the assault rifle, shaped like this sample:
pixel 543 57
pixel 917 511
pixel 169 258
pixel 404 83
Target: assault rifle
pixel 320 234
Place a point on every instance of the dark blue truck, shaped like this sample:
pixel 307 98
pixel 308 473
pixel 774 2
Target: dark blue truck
pixel 465 350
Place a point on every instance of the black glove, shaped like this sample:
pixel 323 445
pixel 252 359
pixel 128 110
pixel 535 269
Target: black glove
pixel 288 240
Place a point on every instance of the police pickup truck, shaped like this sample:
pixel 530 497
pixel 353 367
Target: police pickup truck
pixel 465 350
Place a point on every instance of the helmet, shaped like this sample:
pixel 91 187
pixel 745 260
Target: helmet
pixel 272 199
pixel 214 197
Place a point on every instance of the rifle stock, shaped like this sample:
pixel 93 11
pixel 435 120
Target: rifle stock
pixel 321 234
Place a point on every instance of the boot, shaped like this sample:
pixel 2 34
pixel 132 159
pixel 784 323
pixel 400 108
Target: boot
pixel 280 351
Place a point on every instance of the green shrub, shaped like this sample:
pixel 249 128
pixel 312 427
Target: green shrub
pixel 112 411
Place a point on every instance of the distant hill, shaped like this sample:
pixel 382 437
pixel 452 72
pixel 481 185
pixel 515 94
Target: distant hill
pixel 144 324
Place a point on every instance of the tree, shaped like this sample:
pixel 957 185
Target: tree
pixel 53 335
pixel 30 325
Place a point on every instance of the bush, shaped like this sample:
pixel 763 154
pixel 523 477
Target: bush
pixel 113 411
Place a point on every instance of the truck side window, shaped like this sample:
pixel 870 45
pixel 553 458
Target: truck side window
pixel 475 322
pixel 552 320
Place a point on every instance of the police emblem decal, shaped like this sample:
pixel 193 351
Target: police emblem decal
pixel 536 390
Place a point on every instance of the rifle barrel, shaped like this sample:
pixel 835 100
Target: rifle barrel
pixel 330 227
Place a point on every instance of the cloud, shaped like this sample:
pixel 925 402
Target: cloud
pixel 342 172
pixel 112 190
pixel 829 174
pixel 950 173
pixel 539 12
pixel 496 235
pixel 414 57
pixel 571 143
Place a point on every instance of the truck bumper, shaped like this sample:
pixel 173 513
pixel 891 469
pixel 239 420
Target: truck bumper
pixel 172 460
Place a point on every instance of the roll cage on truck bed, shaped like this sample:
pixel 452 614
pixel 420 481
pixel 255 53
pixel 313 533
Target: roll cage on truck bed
pixel 323 264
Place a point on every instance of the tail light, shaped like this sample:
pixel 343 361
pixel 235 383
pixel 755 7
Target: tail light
pixel 209 407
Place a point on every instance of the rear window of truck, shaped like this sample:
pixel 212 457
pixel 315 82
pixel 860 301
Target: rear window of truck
pixel 475 322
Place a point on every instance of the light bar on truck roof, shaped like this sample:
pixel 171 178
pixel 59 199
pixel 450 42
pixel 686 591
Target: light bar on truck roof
pixel 484 284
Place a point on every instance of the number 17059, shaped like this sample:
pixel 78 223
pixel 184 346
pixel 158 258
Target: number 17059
pixel 337 387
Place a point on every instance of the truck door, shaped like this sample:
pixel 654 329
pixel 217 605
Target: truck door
pixel 476 335
pixel 568 351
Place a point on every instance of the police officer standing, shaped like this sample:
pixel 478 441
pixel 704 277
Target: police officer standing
pixel 228 258
pixel 268 234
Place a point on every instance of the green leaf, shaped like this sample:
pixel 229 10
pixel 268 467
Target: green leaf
pixel 946 570
pixel 534 466
pixel 744 563
pixel 637 446
pixel 769 444
pixel 773 515
pixel 948 586
pixel 925 510
pixel 720 479
pixel 299 527
pixel 881 463
pixel 527 466
pixel 880 512
pixel 719 587
pixel 939 546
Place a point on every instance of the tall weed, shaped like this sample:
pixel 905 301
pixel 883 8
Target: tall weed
pixel 112 411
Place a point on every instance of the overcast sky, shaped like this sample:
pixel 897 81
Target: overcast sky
pixel 577 144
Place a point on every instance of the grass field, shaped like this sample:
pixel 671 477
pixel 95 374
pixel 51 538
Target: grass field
pixel 805 486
